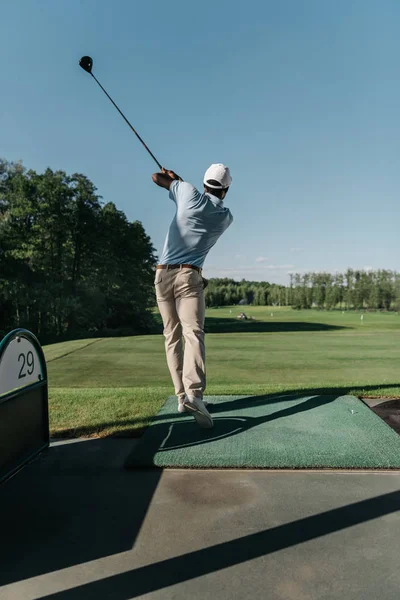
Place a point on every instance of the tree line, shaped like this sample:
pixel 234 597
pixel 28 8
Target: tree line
pixel 353 289
pixel 70 265
pixel 226 292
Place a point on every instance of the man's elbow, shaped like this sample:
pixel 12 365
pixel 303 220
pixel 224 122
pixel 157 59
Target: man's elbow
pixel 162 180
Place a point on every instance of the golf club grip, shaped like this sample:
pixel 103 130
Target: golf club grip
pixel 123 116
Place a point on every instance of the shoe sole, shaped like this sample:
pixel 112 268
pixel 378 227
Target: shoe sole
pixel 203 420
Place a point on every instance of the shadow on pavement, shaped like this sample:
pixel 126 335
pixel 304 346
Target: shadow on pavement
pixel 73 505
pixel 160 575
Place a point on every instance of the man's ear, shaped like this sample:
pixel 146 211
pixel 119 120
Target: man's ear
pixel 224 193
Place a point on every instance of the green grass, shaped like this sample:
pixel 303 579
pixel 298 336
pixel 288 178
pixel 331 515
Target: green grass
pixel 115 385
pixel 101 412
pixel 55 351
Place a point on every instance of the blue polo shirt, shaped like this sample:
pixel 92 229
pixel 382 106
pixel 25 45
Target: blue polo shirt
pixel 199 221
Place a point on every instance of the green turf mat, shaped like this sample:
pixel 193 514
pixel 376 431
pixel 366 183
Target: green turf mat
pixel 283 431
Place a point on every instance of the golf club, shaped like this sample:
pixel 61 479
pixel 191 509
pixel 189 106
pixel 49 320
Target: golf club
pixel 87 64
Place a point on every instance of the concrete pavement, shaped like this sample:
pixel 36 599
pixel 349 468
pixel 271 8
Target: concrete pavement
pixel 75 525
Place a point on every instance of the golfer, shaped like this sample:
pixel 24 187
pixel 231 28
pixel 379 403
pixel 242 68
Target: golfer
pixel 200 219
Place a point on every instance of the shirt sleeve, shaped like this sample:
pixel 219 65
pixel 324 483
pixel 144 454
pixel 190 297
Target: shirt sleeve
pixel 173 189
pixel 183 193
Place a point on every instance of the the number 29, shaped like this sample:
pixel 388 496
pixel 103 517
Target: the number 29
pixel 28 364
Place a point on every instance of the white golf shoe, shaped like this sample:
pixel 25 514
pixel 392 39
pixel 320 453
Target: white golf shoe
pixel 197 407
pixel 181 406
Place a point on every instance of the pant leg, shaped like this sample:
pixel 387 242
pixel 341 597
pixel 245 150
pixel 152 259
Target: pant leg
pixel 164 285
pixel 190 306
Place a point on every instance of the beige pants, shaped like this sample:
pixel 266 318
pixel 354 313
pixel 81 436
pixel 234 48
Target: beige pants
pixel 180 299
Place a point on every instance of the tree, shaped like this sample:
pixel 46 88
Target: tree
pixel 69 265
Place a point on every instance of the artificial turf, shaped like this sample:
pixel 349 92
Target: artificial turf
pixel 277 432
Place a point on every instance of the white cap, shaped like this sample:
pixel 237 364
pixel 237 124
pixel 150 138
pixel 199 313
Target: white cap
pixel 220 173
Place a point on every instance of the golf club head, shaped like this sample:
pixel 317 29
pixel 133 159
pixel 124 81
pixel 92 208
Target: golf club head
pixel 86 63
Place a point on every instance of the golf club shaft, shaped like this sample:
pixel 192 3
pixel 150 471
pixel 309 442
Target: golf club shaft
pixel 123 116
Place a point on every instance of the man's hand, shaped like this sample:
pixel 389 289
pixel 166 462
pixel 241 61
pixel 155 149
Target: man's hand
pixel 165 178
pixel 171 174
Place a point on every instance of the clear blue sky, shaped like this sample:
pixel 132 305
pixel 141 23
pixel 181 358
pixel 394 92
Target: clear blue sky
pixel 300 98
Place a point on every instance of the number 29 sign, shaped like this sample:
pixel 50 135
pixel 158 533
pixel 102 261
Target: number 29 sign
pixel 20 365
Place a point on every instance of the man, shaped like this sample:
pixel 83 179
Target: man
pixel 200 219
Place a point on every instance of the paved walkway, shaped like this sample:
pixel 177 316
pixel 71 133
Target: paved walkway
pixel 76 526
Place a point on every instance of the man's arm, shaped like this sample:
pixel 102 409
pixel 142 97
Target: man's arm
pixel 165 178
